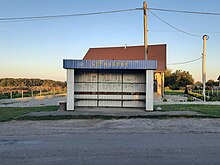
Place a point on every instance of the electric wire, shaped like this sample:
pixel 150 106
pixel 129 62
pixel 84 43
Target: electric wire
pixel 175 45
pixel 185 11
pixel 32 18
pixel 190 34
pixel 174 31
pixel 186 62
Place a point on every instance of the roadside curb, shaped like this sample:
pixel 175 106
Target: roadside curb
pixel 112 116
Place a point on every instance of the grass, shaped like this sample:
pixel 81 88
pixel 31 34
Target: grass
pixel 208 110
pixel 174 92
pixel 4 96
pixel 11 113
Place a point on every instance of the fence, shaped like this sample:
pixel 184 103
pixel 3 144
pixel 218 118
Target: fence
pixel 25 93
pixel 212 92
pixel 212 95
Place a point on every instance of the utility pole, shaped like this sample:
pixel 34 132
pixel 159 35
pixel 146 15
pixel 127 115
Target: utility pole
pixel 205 37
pixel 145 30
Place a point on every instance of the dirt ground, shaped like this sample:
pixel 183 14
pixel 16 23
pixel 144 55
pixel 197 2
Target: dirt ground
pixel 54 100
pixel 32 102
pixel 128 141
pixel 165 126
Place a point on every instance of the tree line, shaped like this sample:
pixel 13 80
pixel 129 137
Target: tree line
pixel 179 78
pixel 24 82
pixel 17 85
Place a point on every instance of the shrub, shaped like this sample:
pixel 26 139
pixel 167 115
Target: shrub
pixel 164 100
pixel 215 99
pixel 197 95
pixel 190 98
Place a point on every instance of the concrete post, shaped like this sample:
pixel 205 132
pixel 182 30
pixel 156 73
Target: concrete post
pixel 205 37
pixel 70 89
pixel 145 31
pixel 149 90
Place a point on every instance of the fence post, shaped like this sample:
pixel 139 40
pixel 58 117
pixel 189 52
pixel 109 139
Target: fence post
pixel 40 92
pixel 32 94
pixel 11 95
pixel 22 94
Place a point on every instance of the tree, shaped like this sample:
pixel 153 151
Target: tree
pixel 198 84
pixel 169 79
pixel 211 83
pixel 178 79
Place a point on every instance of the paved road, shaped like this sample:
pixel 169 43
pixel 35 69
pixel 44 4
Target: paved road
pixel 133 141
pixel 104 148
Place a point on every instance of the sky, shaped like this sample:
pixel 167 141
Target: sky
pixel 36 49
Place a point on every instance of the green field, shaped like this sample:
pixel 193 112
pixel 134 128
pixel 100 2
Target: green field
pixel 9 113
pixel 174 92
pixel 208 110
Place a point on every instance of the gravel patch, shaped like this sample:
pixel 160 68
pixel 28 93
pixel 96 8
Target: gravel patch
pixel 113 112
pixel 164 126
pixel 32 102
pixel 54 100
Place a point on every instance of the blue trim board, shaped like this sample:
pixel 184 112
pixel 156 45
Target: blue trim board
pixel 110 64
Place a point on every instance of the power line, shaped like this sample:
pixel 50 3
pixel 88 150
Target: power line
pixel 172 31
pixel 190 34
pixel 177 47
pixel 32 18
pixel 185 11
pixel 186 62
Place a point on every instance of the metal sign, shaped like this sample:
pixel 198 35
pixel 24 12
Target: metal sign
pixel 110 64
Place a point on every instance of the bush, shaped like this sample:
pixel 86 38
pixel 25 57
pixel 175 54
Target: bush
pixel 197 95
pixel 200 96
pixel 215 99
pixel 164 100
pixel 190 98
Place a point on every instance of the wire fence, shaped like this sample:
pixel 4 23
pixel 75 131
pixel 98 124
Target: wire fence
pixel 212 92
pixel 211 95
pixel 27 93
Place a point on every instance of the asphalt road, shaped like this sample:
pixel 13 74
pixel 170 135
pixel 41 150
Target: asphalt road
pixel 111 148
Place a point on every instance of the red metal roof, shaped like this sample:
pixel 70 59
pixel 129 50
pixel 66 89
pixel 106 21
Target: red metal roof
pixel 155 52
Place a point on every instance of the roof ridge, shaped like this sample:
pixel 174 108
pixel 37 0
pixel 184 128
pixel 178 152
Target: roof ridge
pixel 123 46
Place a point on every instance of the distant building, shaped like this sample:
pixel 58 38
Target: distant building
pixel 155 52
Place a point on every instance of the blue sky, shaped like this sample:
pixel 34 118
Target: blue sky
pixel 35 49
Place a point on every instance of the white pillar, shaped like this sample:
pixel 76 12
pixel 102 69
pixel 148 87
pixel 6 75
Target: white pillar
pixel 149 90
pixel 70 89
